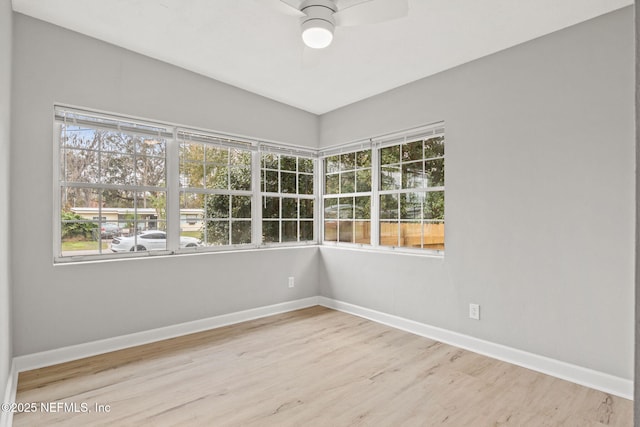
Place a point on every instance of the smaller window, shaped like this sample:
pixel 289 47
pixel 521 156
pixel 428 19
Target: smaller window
pixel 411 194
pixel 215 179
pixel 286 183
pixel 347 198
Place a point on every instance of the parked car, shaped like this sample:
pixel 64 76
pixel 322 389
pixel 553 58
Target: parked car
pixel 150 240
pixel 109 230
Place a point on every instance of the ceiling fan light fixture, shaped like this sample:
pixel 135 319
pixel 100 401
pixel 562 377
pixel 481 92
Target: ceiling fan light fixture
pixel 317 33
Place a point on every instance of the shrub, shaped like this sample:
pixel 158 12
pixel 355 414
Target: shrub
pixel 76 228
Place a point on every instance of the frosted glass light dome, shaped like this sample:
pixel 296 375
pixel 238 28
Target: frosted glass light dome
pixel 317 33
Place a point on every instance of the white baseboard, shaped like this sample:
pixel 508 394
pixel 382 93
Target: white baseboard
pixel 6 417
pixel 577 374
pixel 79 351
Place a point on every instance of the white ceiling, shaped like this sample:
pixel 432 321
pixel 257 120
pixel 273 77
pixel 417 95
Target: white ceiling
pixel 252 45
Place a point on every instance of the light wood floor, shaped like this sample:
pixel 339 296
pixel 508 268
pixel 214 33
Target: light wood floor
pixel 312 367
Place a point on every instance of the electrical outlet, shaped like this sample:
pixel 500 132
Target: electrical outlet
pixel 292 282
pixel 474 311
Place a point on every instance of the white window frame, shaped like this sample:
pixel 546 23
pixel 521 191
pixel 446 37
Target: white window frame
pixel 171 133
pixel 376 144
pixel 64 115
pixel 279 150
pixel 216 141
pixel 326 196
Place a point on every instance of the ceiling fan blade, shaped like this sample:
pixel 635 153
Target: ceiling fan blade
pixel 344 4
pixel 372 12
pixel 287 7
pixel 293 3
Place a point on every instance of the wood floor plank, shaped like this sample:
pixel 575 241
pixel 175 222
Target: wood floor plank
pixel 311 367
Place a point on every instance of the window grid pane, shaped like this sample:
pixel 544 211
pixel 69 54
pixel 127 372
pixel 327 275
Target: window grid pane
pixel 287 186
pixel 222 176
pixel 103 207
pixel 411 200
pixel 347 174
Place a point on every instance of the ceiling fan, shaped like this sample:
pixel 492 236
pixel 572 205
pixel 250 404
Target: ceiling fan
pixel 318 18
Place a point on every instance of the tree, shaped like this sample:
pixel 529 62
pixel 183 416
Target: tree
pixel 118 160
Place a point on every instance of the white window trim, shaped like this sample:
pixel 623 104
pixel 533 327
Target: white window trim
pixel 293 152
pixel 218 141
pixel 172 188
pixel 58 121
pixel 375 144
pixel 257 146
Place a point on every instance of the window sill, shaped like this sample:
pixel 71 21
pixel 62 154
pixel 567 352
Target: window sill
pixel 423 253
pixel 88 259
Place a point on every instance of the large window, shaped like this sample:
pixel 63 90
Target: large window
pixel 347 197
pixel 397 183
pixel 131 188
pixel 287 185
pixel 112 182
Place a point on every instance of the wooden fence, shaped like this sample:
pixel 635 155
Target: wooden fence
pixel 391 234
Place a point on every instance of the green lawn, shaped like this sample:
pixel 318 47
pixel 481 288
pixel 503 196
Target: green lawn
pixel 196 234
pixel 83 245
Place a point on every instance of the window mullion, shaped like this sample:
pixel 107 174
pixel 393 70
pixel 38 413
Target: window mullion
pixel 57 190
pixel 318 209
pixel 173 192
pixel 256 204
pixel 375 195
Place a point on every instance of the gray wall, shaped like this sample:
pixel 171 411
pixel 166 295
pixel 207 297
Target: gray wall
pixel 6 38
pixel 539 198
pixel 55 306
pixel 636 405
